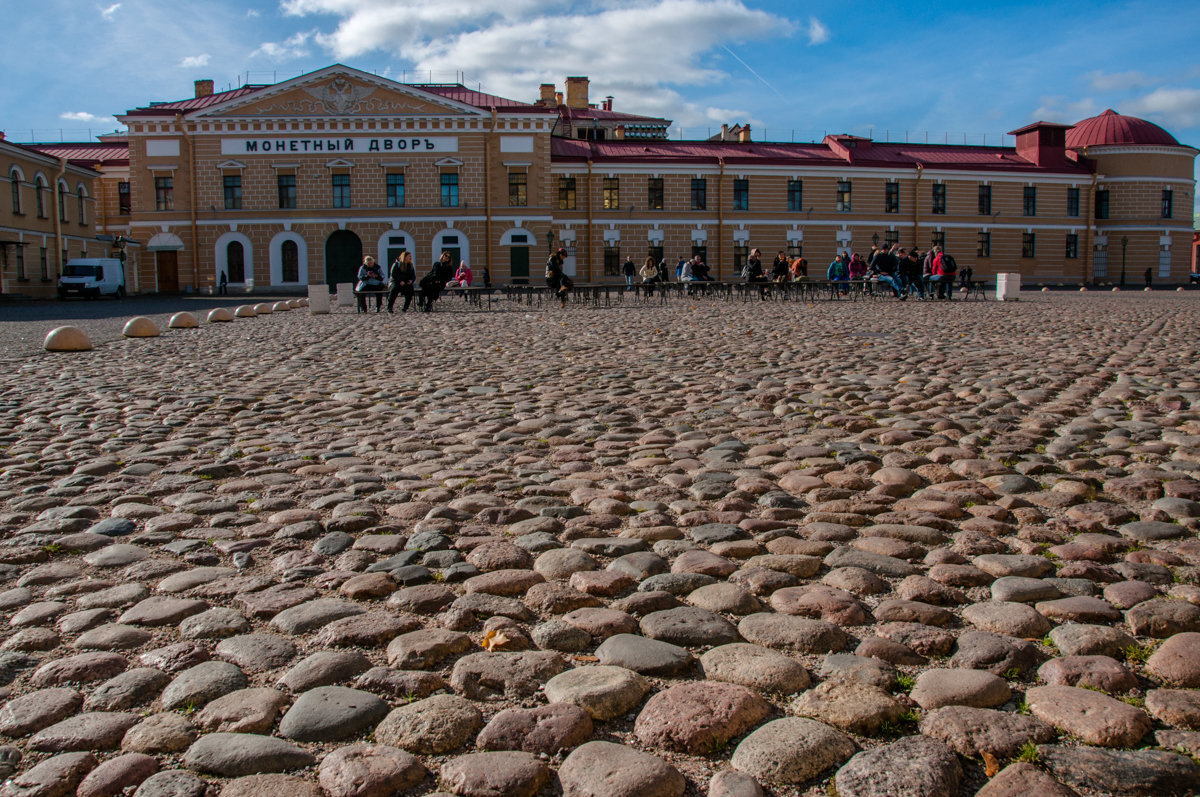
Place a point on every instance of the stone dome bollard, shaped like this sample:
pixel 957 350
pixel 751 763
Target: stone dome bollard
pixel 294 304
pixel 245 311
pixel 140 327
pixel 303 302
pixel 183 320
pixel 219 314
pixel 67 339
pixel 263 308
pixel 280 307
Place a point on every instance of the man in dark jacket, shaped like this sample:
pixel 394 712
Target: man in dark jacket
pixel 556 280
pixel 887 265
pixel 435 281
pixel 910 273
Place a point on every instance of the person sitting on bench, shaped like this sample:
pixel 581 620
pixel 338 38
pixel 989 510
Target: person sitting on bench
pixel 370 280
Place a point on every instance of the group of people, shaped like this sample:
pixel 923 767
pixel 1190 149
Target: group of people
pixel 402 281
pixel 903 271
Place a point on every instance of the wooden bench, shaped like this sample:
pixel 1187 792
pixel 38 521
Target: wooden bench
pixel 361 296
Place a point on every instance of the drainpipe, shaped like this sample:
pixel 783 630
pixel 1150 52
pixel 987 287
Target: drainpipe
pixel 589 221
pixel 917 205
pixel 487 202
pixel 58 211
pixel 192 185
pixel 720 218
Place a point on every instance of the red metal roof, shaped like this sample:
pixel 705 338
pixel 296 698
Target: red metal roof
pixel 1111 127
pixel 194 103
pixel 460 93
pixel 88 154
pixel 875 154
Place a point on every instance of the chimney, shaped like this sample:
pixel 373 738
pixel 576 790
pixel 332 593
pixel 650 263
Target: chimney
pixel 619 133
pixel 204 88
pixel 577 92
pixel 724 132
pixel 558 98
pixel 547 95
pixel 1043 143
pixel 1 135
pixel 608 101
pixel 744 134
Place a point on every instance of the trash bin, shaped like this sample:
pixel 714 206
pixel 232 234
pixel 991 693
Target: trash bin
pixel 1008 287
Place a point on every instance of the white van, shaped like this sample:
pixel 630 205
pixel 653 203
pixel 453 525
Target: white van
pixel 92 277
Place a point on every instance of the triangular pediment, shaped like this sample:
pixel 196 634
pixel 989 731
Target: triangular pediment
pixel 339 91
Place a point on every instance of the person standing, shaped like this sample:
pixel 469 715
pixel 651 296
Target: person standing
pixel 401 277
pixel 1149 278
pixel 223 286
pixel 556 279
pixel 628 270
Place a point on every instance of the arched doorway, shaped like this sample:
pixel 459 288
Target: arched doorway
pixel 343 257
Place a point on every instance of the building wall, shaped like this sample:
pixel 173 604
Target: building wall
pixel 30 260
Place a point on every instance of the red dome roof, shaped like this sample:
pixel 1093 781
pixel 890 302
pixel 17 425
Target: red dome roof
pixel 1111 127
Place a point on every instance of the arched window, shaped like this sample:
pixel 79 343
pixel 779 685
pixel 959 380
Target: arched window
pixel 81 197
pixel 14 177
pixel 62 202
pixel 235 258
pixel 39 188
pixel 289 261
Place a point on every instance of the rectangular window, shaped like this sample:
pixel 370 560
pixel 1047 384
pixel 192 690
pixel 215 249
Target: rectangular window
pixel 1028 244
pixel 62 204
pixel 612 193
pixel 341 190
pixel 1100 262
pixel 124 198
pixel 985 200
pixel 1102 203
pixel 795 196
pixel 1164 262
pixel 1168 202
pixel 518 189
pixel 654 193
pixel 699 193
pixel 566 193
pixel 233 191
pixel 612 260
pixel 843 196
pixel 1072 201
pixel 891 237
pixel 939 198
pixel 891 198
pixel 45 264
pixel 164 193
pixel 1030 200
pixel 655 253
pixel 20 262
pixel 15 180
pixel 701 252
pixel 795 249
pixel 1072 246
pixel 287 191
pixel 395 190
pixel 983 244
pixel 450 190
pixel 937 239
pixel 741 253
pixel 741 194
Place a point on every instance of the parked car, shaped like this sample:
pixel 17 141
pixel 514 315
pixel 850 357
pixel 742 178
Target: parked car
pixel 91 277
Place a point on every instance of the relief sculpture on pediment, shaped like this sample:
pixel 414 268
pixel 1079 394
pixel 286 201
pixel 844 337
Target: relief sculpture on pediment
pixel 341 97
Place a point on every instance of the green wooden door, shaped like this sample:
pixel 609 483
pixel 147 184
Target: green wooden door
pixel 518 265
pixel 343 257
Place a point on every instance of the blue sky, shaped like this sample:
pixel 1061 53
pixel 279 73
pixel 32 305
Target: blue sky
pixel 794 70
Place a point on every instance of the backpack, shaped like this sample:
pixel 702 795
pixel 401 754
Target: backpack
pixel 949 267
pixel 746 271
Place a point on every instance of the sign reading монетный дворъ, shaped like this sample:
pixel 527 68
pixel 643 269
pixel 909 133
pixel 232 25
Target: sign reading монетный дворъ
pixel 337 144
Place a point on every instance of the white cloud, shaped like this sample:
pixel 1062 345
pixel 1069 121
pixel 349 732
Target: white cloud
pixel 250 12
pixel 1119 81
pixel 84 116
pixel 818 32
pixel 193 61
pixel 295 46
pixel 637 50
pixel 109 11
pixel 1177 107
pixel 1060 109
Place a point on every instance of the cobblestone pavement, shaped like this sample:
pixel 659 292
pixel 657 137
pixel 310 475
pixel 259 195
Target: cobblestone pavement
pixel 854 549
pixel 24 324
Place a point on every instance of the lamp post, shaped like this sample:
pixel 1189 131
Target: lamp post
pixel 1124 246
pixel 549 240
pixel 875 240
